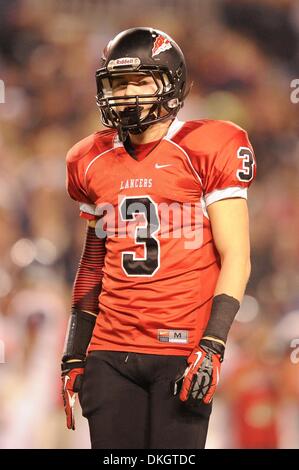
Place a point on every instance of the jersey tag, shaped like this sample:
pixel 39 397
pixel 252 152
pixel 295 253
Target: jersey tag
pixel 173 336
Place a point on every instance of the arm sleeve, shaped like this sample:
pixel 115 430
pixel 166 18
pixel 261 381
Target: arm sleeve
pixel 75 172
pixel 88 282
pixel 231 170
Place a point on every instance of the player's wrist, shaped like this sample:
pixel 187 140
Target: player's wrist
pixel 69 365
pixel 214 338
pixel 223 312
pixel 212 346
pixel 80 329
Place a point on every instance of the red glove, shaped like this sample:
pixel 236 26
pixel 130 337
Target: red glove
pixel 200 379
pixel 71 376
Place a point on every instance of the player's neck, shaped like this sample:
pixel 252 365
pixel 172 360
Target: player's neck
pixel 152 133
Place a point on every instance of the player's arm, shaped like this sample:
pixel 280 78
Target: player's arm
pixel 86 290
pixel 230 227
pixel 227 175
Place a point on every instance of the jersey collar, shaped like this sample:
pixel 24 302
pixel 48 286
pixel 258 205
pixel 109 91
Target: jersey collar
pixel 174 127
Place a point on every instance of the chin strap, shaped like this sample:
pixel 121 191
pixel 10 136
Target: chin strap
pixel 131 115
pixel 122 135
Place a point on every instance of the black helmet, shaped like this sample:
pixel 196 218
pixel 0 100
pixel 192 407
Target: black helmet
pixel 141 51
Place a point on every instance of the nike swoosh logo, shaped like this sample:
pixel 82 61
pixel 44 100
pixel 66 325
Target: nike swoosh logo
pixel 157 165
pixel 72 399
pixel 199 354
pixel 66 378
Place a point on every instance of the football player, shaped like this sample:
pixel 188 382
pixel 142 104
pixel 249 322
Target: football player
pixel 151 308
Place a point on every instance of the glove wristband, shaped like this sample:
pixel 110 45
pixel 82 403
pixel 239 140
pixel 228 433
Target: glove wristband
pixel 67 366
pixel 213 346
pixel 81 325
pixel 224 310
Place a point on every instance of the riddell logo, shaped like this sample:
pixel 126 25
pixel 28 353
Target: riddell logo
pixel 161 44
pixel 132 62
pixel 124 61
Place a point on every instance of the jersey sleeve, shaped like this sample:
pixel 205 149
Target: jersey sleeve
pixel 230 170
pixel 75 171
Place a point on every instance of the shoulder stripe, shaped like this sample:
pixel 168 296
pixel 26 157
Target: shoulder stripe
pixel 188 159
pixel 92 161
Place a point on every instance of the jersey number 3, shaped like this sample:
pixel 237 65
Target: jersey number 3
pixel 144 235
pixel 246 173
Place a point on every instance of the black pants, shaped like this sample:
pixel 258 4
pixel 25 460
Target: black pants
pixel 128 401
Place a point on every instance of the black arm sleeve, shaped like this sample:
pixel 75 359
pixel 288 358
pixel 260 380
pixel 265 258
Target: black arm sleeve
pixel 85 299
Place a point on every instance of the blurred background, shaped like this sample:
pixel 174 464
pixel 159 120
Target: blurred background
pixel 242 56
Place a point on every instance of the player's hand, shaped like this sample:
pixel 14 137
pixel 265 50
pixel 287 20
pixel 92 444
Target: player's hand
pixel 201 377
pixel 71 376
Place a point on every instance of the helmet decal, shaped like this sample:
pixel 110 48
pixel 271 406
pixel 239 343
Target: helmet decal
pixel 161 44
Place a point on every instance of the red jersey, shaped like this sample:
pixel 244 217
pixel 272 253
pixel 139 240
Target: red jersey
pixel 161 264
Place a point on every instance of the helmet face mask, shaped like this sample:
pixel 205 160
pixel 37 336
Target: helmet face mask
pixel 140 52
pixel 110 103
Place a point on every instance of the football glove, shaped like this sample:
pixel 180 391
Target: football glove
pixel 71 376
pixel 201 377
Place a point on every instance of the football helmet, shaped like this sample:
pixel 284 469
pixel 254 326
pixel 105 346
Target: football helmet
pixel 144 52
